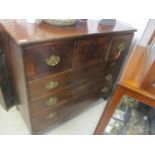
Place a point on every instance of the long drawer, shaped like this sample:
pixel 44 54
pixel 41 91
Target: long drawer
pixel 68 110
pixel 55 100
pixel 51 84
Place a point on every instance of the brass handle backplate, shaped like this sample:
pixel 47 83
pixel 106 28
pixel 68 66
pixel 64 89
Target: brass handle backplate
pixel 121 47
pixel 51 115
pixel 116 55
pixel 53 60
pixel 52 85
pixel 109 77
pixel 105 89
pixel 113 64
pixel 52 101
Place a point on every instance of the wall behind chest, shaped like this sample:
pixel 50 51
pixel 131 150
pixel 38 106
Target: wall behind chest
pixel 140 24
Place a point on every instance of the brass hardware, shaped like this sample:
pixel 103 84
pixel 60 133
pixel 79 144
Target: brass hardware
pixel 52 85
pixel 113 64
pixel 105 89
pixel 117 53
pixel 51 101
pixel 121 47
pixel 108 77
pixel 53 60
pixel 51 115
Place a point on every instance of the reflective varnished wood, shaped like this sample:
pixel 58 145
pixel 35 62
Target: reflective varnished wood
pixel 26 33
pixel 39 88
pixel 39 58
pixel 58 71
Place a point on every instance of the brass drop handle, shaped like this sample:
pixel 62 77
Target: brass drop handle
pixel 52 101
pixel 53 60
pixel 113 64
pixel 109 77
pixel 51 115
pixel 121 47
pixel 52 85
pixel 105 89
pixel 117 53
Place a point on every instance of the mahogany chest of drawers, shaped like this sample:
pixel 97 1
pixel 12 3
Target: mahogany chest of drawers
pixel 58 72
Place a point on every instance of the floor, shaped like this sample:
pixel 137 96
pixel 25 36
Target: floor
pixel 11 122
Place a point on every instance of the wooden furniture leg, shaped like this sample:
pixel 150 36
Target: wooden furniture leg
pixel 109 110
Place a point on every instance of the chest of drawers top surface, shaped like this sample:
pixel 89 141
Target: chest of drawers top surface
pixel 25 33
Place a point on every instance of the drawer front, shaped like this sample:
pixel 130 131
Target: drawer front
pixel 48 58
pixel 117 54
pixel 119 47
pixel 52 84
pixel 111 76
pixel 68 110
pixel 91 51
pixel 55 100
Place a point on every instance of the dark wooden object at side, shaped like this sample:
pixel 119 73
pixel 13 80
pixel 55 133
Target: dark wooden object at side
pixel 6 93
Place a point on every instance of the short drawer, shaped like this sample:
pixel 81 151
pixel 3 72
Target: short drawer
pixel 48 58
pixel 55 100
pixel 91 51
pixel 52 84
pixel 119 47
pixel 68 110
